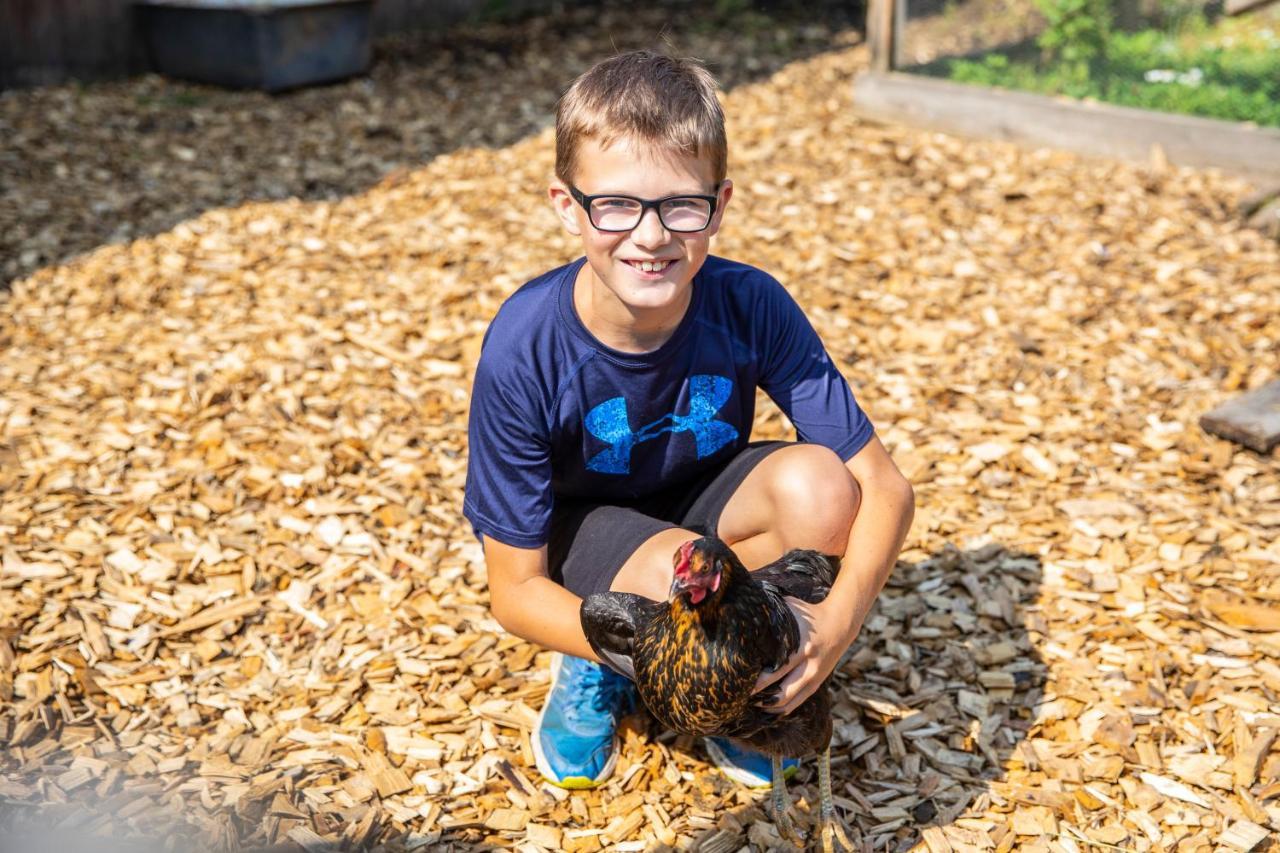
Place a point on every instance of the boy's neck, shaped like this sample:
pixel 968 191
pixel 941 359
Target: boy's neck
pixel 616 325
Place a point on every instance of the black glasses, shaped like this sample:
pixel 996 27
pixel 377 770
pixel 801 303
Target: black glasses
pixel 684 214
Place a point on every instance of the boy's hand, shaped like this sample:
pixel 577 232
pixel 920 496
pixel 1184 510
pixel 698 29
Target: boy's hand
pixel 823 639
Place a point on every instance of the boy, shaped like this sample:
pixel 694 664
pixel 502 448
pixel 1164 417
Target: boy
pixel 614 399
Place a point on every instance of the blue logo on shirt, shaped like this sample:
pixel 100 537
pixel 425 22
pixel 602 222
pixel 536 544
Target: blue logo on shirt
pixel 609 423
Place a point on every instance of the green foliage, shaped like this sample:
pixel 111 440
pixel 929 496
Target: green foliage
pixel 1076 31
pixel 1175 14
pixel 727 8
pixel 1222 78
pixel 740 15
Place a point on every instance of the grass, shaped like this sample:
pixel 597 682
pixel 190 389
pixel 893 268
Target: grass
pixel 1226 70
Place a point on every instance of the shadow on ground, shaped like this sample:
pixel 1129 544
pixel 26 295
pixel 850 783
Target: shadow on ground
pixel 934 700
pixel 81 166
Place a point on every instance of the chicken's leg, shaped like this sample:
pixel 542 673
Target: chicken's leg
pixel 782 806
pixel 831 828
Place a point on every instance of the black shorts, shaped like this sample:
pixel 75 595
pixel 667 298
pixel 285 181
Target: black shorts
pixel 590 542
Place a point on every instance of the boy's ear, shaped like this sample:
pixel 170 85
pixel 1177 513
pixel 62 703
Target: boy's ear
pixel 725 193
pixel 565 207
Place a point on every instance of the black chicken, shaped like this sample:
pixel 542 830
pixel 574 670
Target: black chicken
pixel 696 657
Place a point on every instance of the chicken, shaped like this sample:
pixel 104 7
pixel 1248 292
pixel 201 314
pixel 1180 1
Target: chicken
pixel 695 658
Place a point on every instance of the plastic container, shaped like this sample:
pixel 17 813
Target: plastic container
pixel 258 44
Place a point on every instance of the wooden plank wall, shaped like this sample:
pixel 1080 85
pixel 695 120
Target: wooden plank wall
pixel 50 41
pixel 398 16
pixel 45 41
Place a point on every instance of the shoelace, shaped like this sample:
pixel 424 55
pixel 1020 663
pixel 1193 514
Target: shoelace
pixel 613 691
pixel 597 688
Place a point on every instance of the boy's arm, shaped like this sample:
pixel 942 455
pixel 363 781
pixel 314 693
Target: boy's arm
pixel 879 529
pixel 527 603
pixel 800 376
pixel 827 629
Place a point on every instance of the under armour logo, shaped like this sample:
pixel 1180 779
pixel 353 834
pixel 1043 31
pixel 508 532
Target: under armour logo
pixel 609 423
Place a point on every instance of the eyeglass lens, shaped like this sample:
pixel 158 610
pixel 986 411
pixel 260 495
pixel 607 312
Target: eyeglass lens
pixel 677 214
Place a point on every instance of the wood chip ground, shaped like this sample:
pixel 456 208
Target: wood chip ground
pixel 239 605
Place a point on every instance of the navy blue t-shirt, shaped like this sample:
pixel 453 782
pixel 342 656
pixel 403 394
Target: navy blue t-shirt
pixel 556 413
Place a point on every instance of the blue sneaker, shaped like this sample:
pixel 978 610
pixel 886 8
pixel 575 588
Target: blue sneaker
pixel 746 766
pixel 575 742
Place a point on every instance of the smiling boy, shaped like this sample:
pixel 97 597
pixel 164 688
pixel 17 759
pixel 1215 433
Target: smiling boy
pixel 612 410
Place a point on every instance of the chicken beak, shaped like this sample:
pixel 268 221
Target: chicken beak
pixel 699 586
pixel 678 586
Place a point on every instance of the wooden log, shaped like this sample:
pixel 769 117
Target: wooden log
pixel 1252 419
pixel 1092 128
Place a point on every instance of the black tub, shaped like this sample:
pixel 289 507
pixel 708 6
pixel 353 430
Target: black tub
pixel 258 44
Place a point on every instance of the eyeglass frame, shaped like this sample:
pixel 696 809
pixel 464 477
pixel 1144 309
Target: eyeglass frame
pixel 645 206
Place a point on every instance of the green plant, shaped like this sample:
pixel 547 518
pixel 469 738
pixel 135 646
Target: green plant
pixel 1076 31
pixel 1201 74
pixel 728 8
pixel 1176 14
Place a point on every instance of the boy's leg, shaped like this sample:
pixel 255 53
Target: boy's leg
pixel 800 496
pixel 772 497
pixel 575 740
pixel 649 569
pixel 781 496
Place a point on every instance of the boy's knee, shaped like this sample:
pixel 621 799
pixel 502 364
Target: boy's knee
pixel 815 493
pixel 649 569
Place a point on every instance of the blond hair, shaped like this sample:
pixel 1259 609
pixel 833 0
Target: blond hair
pixel 647 97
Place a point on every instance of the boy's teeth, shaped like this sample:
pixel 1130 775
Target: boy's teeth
pixel 652 267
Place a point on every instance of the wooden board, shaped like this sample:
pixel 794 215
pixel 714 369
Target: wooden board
pixel 1086 127
pixel 1252 419
pixel 1239 7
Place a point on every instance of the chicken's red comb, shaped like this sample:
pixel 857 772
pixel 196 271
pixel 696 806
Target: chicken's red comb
pixel 686 554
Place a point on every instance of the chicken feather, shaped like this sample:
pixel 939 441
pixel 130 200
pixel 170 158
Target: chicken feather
pixel 696 657
pixel 695 664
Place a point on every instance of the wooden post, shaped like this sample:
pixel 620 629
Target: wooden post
pixel 899 33
pixel 882 21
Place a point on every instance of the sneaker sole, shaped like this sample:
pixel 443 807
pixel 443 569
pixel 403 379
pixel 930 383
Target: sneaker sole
pixel 572 783
pixel 737 774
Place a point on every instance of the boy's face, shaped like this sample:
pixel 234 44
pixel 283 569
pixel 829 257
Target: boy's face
pixel 635 169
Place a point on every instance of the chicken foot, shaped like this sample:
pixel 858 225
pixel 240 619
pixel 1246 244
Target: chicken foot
pixel 832 830
pixel 782 807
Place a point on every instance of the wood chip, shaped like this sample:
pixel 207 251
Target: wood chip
pixel 1249 757
pixel 1177 790
pixel 1244 836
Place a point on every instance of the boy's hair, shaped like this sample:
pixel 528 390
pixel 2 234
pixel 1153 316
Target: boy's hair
pixel 648 97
